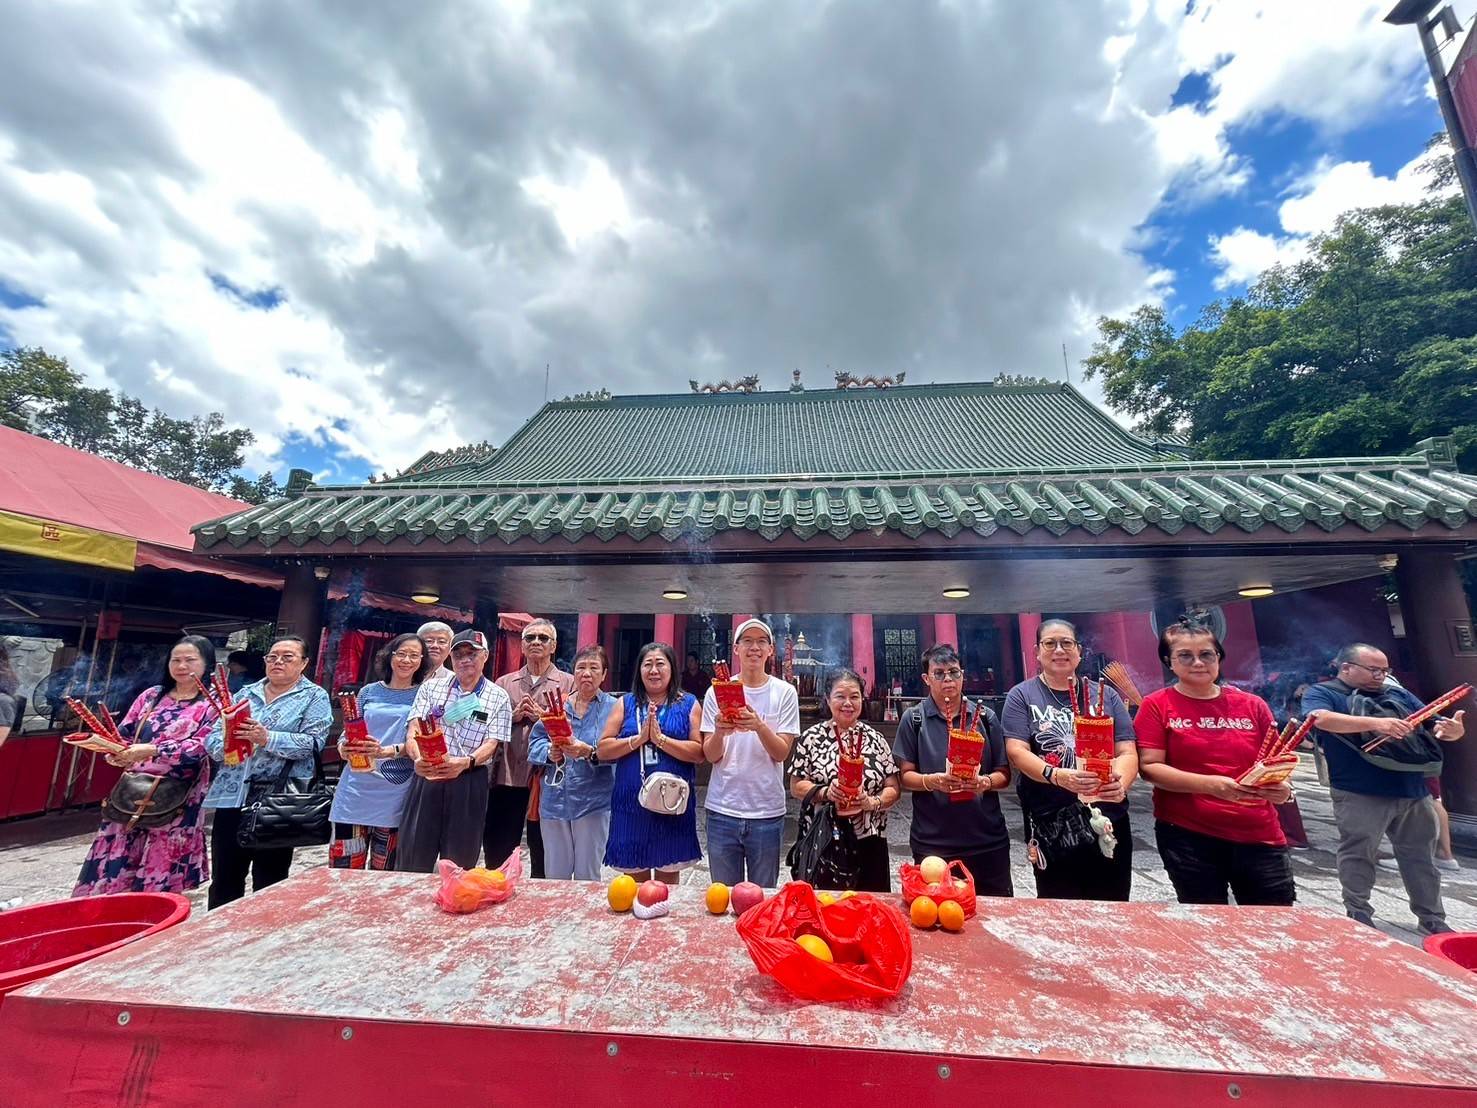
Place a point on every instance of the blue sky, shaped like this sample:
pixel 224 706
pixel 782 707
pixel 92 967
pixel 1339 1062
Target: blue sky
pixel 366 236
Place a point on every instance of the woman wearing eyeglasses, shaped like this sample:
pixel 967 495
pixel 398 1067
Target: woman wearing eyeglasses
pixel 367 804
pixel 514 800
pixel 1195 738
pixel 1066 851
pixel 290 718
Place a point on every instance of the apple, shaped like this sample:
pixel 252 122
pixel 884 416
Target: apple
pixel 933 869
pixel 652 892
pixel 746 894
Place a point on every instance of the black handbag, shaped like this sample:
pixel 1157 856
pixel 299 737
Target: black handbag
pixel 143 800
pixel 1059 832
pixel 827 854
pixel 287 813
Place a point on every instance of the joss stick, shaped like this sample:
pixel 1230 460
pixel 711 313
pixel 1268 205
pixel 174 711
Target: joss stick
pixel 1101 693
pixel 1269 740
pixel 1072 692
pixel 1421 715
pixel 90 721
pixel 113 732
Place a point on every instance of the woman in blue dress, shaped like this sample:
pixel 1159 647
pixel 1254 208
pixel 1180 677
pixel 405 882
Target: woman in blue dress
pixel 652 729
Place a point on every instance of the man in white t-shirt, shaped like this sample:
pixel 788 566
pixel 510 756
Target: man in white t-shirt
pixel 746 795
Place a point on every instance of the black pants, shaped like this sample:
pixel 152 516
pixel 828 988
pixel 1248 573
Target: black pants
pixel 1203 868
pixel 442 819
pixel 230 863
pixel 989 868
pixel 1085 874
pixel 535 850
pixel 876 865
pixel 502 832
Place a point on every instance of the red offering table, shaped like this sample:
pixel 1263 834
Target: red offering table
pixel 554 994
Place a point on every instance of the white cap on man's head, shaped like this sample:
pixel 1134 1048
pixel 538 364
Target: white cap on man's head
pixel 751 622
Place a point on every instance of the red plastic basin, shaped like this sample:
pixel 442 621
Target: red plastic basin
pixel 43 939
pixel 1455 946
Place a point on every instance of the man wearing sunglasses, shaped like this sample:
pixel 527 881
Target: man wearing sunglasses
pixel 513 780
pixel 1371 800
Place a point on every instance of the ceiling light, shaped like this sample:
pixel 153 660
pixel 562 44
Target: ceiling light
pixel 674 594
pixel 425 597
pixel 957 592
pixel 1255 592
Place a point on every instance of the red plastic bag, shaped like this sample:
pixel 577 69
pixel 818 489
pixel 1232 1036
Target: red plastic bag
pixel 869 940
pixel 960 888
pixel 466 890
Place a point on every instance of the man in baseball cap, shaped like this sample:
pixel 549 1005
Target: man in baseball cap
pixel 746 795
pixel 447 802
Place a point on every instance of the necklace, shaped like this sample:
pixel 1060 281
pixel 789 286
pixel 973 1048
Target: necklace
pixel 1060 699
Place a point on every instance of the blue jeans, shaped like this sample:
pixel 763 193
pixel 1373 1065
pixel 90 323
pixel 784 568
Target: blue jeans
pixel 738 845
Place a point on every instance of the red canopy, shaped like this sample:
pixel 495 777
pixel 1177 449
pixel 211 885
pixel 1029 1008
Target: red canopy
pixel 51 482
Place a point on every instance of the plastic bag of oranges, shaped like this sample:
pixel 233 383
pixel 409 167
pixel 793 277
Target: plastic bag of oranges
pixel 466 890
pixel 858 948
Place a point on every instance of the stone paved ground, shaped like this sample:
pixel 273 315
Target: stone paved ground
pixel 39 859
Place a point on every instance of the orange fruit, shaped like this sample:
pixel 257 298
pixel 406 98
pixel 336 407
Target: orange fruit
pixel 847 895
pixel 717 898
pixel 816 946
pixel 826 898
pixel 923 912
pixel 465 897
pixel 951 916
pixel 622 893
pixel 487 878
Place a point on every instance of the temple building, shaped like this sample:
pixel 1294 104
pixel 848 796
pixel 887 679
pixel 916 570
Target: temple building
pixel 876 521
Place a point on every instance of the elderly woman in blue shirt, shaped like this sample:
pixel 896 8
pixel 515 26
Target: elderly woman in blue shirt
pixel 290 719
pixel 574 805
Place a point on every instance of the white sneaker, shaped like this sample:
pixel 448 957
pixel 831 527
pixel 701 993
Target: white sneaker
pixel 1448 863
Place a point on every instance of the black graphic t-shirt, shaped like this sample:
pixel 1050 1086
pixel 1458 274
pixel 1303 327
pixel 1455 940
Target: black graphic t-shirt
pixel 1041 716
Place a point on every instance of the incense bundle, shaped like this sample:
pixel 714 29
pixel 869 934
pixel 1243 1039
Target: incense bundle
pixel 233 713
pixel 1276 758
pixel 1423 715
pixel 966 752
pixel 431 740
pixel 849 763
pixel 728 692
pixel 355 730
pixel 1117 673
pixel 1094 731
pixel 555 722
pixel 102 735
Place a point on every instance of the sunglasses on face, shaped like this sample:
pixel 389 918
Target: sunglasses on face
pixel 537 637
pixel 281 659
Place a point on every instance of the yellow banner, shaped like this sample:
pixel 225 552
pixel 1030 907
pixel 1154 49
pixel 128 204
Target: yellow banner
pixel 64 542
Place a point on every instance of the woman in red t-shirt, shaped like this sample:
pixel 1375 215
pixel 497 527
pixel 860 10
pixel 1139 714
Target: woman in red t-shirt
pixel 1195 738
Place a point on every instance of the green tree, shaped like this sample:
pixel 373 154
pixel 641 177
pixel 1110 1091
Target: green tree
pixel 1365 347
pixel 41 393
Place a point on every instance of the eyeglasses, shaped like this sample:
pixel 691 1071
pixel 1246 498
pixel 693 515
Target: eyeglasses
pixel 1058 644
pixel 1373 671
pixel 1185 658
pixel 406 656
pixel 538 637
pixel 946 674
pixel 282 659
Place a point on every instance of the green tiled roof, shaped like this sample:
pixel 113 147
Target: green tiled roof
pixel 1329 495
pixel 896 434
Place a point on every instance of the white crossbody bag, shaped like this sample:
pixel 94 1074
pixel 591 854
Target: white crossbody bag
pixel 664 793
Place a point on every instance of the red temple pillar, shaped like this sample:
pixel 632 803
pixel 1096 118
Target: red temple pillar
pixel 1028 623
pixel 1243 664
pixel 589 630
pixel 863 659
pixel 946 628
pixel 1439 633
pixel 607 640
pixel 665 629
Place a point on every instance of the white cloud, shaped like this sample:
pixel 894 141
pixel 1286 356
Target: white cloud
pixel 1313 207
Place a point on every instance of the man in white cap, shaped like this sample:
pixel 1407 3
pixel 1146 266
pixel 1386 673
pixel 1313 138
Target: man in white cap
pixel 746 795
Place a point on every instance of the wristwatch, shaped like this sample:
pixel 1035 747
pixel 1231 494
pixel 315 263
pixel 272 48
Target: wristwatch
pixel 1047 773
pixel 471 763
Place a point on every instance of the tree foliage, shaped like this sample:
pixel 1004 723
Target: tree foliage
pixel 42 394
pixel 1365 347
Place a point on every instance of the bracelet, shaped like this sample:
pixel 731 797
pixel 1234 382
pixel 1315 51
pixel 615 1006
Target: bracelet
pixel 927 783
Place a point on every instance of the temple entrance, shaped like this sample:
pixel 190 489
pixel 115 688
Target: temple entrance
pixel 896 644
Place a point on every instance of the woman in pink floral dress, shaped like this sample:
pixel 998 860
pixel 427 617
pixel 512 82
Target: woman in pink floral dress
pixel 167 724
